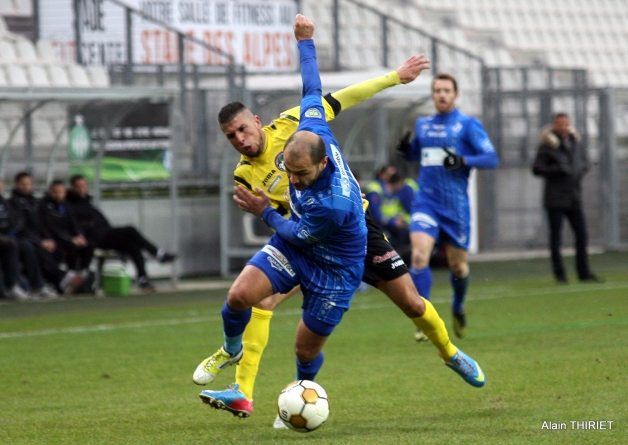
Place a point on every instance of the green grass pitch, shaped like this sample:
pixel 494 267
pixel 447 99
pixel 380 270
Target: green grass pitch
pixel 118 370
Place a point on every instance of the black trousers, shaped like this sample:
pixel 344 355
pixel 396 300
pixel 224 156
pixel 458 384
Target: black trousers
pixel 129 240
pixel 9 263
pixel 76 258
pixel 575 216
pixel 30 264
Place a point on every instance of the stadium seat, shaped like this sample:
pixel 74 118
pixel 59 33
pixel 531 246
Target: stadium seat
pixel 37 75
pixel 8 55
pixel 46 52
pixel 26 51
pixel 59 76
pixel 78 76
pixel 17 76
pixel 6 8
pixel 23 7
pixel 98 76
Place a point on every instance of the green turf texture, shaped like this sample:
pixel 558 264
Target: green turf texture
pixel 119 370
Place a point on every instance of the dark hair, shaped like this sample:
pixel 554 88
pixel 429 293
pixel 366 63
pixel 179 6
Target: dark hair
pixel 559 114
pixel 55 183
pixel 229 111
pixel 395 178
pixel 22 174
pixel 445 76
pixel 75 178
pixel 381 169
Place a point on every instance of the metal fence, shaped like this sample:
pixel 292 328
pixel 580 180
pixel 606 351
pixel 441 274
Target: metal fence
pixel 517 103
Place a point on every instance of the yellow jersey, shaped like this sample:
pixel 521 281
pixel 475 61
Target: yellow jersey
pixel 267 170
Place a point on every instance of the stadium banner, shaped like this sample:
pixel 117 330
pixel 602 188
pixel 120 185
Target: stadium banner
pixel 138 147
pixel 257 33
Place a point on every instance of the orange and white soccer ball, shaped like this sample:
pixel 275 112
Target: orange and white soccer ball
pixel 303 406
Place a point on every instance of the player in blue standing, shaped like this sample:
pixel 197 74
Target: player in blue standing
pixel 321 247
pixel 448 144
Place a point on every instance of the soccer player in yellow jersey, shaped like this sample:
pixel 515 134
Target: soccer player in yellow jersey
pixel 261 166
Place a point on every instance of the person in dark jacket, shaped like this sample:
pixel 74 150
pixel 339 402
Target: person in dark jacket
pixel 19 258
pixel 57 219
pixel 30 229
pixel 562 161
pixel 100 233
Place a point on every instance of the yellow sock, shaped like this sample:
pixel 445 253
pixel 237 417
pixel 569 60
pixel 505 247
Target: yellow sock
pixel 434 328
pixel 254 341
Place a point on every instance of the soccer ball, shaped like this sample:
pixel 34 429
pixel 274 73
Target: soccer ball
pixel 303 406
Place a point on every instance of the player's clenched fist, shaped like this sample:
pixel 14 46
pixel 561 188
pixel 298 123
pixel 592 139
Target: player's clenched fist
pixel 303 28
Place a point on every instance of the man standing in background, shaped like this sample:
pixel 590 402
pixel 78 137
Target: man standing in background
pixel 563 161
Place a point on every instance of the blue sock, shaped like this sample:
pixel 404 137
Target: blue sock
pixel 422 279
pixel 460 286
pixel 234 322
pixel 308 371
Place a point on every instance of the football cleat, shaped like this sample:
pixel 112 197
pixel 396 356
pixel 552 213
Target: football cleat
pixel 278 424
pixel 230 399
pixel 467 368
pixel 209 368
pixel 420 336
pixel 460 324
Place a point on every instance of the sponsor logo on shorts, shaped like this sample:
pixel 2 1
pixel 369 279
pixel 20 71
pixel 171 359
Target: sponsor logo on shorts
pixel 277 260
pixel 424 220
pixel 397 264
pixel 313 112
pixel 391 255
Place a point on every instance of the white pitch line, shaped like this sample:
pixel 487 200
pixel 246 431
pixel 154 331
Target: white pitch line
pixel 356 305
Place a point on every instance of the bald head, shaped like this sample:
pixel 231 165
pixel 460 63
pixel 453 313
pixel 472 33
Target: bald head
pixel 305 158
pixel 304 143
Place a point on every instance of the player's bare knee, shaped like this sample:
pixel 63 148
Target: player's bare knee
pixel 420 259
pixel 305 353
pixel 459 269
pixel 237 298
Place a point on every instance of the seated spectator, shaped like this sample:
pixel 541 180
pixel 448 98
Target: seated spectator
pixel 72 246
pixel 24 262
pixel 30 229
pixel 101 234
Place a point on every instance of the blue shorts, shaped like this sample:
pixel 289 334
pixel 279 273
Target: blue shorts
pixel 449 227
pixel 327 289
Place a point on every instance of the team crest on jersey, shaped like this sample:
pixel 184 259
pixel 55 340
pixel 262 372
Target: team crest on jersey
pixel 305 235
pixel 313 112
pixel 279 162
pixel 456 127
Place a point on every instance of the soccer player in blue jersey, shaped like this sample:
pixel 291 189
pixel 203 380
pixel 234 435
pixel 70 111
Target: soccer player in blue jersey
pixel 321 247
pixel 448 144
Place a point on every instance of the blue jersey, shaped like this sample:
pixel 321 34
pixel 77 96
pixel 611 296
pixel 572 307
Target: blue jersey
pixel 327 218
pixel 460 134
